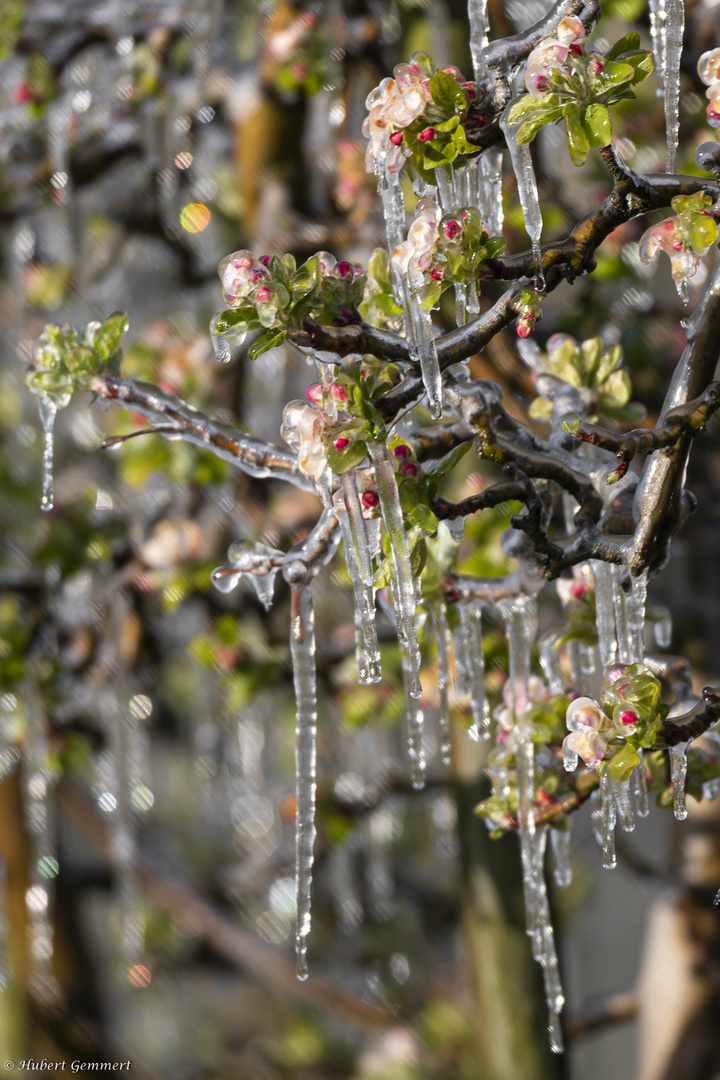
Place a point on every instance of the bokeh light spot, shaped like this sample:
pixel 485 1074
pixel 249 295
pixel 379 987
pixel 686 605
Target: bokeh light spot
pixel 195 217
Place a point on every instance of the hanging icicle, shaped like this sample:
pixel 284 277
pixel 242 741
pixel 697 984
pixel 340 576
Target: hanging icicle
pixel 609 859
pixel 478 16
pixel 639 787
pixel 442 636
pixel 623 804
pixel 678 775
pixel 604 612
pixel 302 649
pixel 528 195
pixel 474 660
pixel 635 618
pixel 261 562
pixel 359 565
pixel 48 412
pixel 673 33
pixel 404 586
pixel 560 846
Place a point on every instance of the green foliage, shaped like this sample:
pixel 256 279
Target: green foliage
pixel 65 360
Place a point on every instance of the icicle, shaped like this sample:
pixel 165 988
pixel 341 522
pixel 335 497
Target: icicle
pixel 422 340
pixel 302 649
pixel 404 585
pixel 442 632
pixel 596 817
pixel 478 16
pixel 658 32
pixel 490 191
pixel 550 662
pixel 261 562
pixel 414 716
pixel 662 628
pixel 683 291
pixel 359 564
pixel 520 625
pixel 48 411
pixel 608 822
pixel 529 199
pixel 390 192
pixel 604 611
pixel 619 602
pixel 635 615
pixel 560 845
pixel 471 627
pixel 711 789
pixel 678 773
pixel 446 189
pixel 570 759
pixel 623 804
pixel 456 528
pixel 674 30
pixel 639 786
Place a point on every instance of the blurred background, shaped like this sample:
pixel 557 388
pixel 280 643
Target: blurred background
pixel 147 720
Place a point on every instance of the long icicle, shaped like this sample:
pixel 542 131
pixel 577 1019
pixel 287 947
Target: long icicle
pixel 471 625
pixel 604 612
pixel 529 198
pixel 359 564
pixel 675 29
pixel 48 411
pixel 404 584
pixel 678 774
pixel 442 632
pixel 302 649
pixel 635 618
pixel 609 859
pixel 478 16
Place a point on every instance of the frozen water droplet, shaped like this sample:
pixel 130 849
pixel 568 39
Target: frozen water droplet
pixel 678 774
pixel 225 578
pixel 48 411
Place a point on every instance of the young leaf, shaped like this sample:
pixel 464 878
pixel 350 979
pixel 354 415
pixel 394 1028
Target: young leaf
pixel 270 340
pixel 108 338
pixel 447 94
pixel 596 124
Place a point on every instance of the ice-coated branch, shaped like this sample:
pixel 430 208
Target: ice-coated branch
pixel 180 420
pixel 659 506
pixel 682 729
pixel 689 419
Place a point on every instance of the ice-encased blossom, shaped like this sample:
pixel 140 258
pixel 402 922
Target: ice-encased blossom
pixel 537 692
pixel 240 274
pixel 413 259
pixel 393 105
pixel 576 587
pixel 302 429
pixel 709 67
pixel 551 54
pixel 667 237
pixel 584 719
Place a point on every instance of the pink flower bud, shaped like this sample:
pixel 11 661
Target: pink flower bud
pixel 257 274
pixel 340 393
pixel 314 394
pixel 402 451
pixel 243 264
pixel 343 269
pixel 627 717
pixel 265 260
pixel 595 67
pixel 341 442
pixel 470 89
pixel 524 329
pixel 263 294
pixel 396 138
pixel 578 590
pixel 369 499
pixel 409 468
pixel 436 274
pixel 576 48
pixel 451 229
pixel 427 134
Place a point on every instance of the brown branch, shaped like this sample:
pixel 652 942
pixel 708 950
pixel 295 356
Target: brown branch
pixel 613 1009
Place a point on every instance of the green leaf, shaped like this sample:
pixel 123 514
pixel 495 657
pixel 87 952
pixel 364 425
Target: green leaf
pixel 629 43
pixel 618 387
pixel 588 359
pixel 108 338
pixel 379 269
pixel 527 131
pixel 609 361
pixel 614 75
pixel 578 144
pixel 447 94
pixel 527 107
pixel 82 362
pixel 642 64
pixel 622 764
pixel 418 557
pixel 270 340
pixel 341 461
pixel 596 124
pixel 422 516
pixel 445 465
pixel 540 409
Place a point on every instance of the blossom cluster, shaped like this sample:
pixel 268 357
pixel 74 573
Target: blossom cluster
pixel 421 113
pixel 275 295
pixel 566 82
pixel 684 238
pixel 528 305
pixel 594 371
pixel 627 718
pixel 709 71
pixel 63 359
